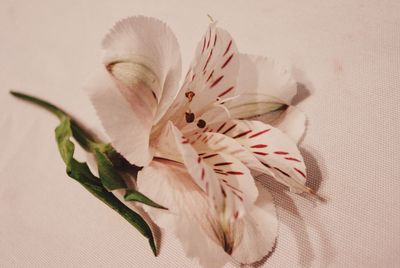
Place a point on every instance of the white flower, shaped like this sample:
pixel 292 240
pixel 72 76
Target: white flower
pixel 195 149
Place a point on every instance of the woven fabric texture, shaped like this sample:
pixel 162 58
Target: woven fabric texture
pixel 346 59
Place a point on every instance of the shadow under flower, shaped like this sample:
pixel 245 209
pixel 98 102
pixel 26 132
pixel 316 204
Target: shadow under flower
pixel 302 93
pixel 289 215
pixel 301 223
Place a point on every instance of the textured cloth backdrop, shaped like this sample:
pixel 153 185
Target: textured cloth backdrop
pixel 346 57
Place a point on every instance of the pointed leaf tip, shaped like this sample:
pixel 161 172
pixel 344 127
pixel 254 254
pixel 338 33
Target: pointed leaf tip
pixel 133 195
pixel 65 146
pixel 153 247
pixel 42 103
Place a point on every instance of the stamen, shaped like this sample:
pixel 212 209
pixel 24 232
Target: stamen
pixel 223 107
pixel 217 103
pixel 228 99
pixel 189 95
pixel 189 117
pixel 201 123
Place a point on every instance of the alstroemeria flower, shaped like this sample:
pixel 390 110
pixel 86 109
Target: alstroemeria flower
pixel 195 148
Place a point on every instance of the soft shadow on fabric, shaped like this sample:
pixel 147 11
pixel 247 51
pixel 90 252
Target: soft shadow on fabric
pixel 288 213
pixel 288 204
pixel 302 93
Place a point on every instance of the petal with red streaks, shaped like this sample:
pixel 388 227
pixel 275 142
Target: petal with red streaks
pixel 274 149
pixel 226 181
pixel 213 72
pixel 211 143
pixel 190 217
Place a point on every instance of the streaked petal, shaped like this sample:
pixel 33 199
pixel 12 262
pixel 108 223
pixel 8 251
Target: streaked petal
pixel 211 76
pixel 225 180
pixel 276 151
pixel 216 174
pixel 212 142
pixel 144 51
pixel 214 69
pixel 127 124
pixel 190 219
pixel 189 215
pixel 202 174
pixel 235 178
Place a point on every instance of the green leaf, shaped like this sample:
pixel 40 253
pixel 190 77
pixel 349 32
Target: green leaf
pixel 108 175
pixel 112 180
pixel 63 134
pixel 83 137
pixel 48 106
pixel 81 172
pixel 133 195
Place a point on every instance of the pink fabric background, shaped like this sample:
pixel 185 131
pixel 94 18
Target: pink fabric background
pixel 345 53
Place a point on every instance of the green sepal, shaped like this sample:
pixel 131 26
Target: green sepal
pixel 81 172
pixel 85 139
pixel 108 175
pixel 63 135
pixel 133 195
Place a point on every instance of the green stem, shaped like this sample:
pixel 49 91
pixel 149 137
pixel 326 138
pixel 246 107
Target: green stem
pixel 80 171
pixel 44 104
pixel 85 139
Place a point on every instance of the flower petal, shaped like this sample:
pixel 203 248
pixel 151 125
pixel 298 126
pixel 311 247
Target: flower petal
pixel 173 141
pixel 266 89
pixel 144 50
pixel 263 76
pixel 260 230
pixel 235 179
pixel 276 151
pixel 213 72
pixel 214 142
pixel 292 122
pixel 251 105
pixel 227 182
pixel 190 219
pixel 128 127
pixel 189 214
pixel 211 77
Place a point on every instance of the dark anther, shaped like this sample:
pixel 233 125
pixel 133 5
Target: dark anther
pixel 189 95
pixel 201 123
pixel 189 117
